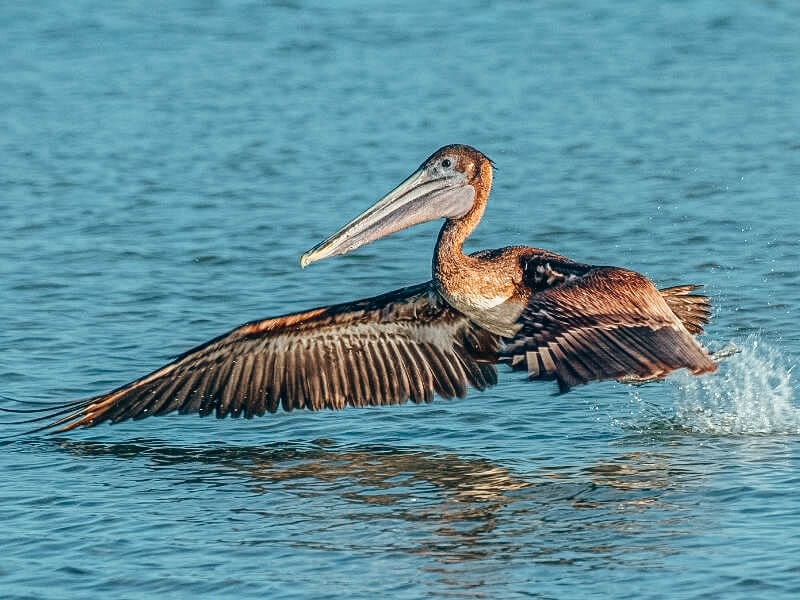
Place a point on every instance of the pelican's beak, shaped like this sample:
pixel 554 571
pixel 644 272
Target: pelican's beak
pixel 426 195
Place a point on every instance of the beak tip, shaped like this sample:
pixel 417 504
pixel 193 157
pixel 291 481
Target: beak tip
pixel 308 258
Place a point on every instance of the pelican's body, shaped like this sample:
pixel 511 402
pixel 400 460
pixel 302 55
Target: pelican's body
pixel 526 307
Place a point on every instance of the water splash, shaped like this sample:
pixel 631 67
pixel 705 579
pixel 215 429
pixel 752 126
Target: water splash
pixel 752 393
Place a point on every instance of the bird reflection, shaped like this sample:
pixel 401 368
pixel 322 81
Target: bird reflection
pixel 468 507
pixel 442 487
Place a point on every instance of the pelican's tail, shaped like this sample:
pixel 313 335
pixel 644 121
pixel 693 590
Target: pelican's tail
pixel 694 310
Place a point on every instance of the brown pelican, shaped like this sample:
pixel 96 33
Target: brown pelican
pixel 525 307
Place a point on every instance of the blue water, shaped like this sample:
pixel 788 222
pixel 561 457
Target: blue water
pixel 164 165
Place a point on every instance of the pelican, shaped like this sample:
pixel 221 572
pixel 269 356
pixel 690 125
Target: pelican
pixel 525 307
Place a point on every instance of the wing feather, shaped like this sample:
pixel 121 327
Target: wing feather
pixel 275 381
pixel 338 372
pixel 256 401
pixel 318 386
pixel 375 392
pixel 233 399
pixel 385 366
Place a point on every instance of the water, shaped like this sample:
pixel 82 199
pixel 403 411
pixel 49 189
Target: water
pixel 162 169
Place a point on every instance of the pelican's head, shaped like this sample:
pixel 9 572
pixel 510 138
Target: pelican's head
pixel 446 185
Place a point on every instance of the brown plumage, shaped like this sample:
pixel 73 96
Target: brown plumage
pixel 529 308
pixel 694 310
pixel 606 323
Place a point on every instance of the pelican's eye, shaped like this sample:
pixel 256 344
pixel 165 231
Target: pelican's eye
pixel 447 163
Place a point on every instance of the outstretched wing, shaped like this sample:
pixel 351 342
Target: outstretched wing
pixel 586 323
pixel 403 345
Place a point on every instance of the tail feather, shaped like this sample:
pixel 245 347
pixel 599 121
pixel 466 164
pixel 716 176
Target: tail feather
pixel 694 310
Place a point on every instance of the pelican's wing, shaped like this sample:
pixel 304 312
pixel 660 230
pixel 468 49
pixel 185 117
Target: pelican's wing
pixel 585 323
pixel 402 345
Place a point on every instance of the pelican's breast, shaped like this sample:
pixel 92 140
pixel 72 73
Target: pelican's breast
pixel 497 313
pixel 488 295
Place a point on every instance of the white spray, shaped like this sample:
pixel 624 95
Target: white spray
pixel 752 393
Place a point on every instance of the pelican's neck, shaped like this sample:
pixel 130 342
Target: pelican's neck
pixel 449 253
pixel 449 257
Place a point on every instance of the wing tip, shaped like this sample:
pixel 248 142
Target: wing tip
pixel 58 417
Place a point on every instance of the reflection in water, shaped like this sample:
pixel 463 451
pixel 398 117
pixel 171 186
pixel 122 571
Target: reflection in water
pixel 454 509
